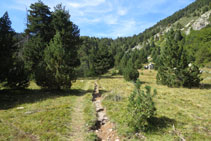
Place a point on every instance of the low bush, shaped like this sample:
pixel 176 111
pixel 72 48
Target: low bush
pixel 140 108
pixel 130 74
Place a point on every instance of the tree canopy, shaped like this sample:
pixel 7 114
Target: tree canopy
pixel 175 69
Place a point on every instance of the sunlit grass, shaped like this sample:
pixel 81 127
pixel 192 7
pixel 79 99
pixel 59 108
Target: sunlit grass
pixel 89 117
pixel 45 115
pixel 181 112
pixel 36 114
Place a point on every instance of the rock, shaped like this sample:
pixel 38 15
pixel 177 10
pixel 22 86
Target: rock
pixel 187 32
pixel 101 116
pixel 110 130
pixel 28 112
pixel 105 118
pixel 20 108
pixel 202 21
pixel 138 47
pixel 117 139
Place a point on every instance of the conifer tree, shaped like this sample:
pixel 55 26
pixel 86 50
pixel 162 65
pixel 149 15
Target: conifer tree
pixel 43 25
pixel 40 31
pixel 174 69
pixel 12 70
pixel 156 56
pixel 60 74
pixel 18 75
pixel 140 108
pixel 102 61
pixel 39 21
pixel 123 63
pixel 6 43
pixel 70 33
pixel 130 73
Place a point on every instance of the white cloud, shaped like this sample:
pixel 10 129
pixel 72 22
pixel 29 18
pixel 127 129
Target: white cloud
pixel 122 11
pixel 86 3
pixel 88 21
pixel 125 28
pixel 74 5
pixel 108 17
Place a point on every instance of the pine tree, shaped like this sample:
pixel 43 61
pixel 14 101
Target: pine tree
pixel 130 73
pixel 18 75
pixel 6 43
pixel 70 33
pixel 39 21
pixel 123 63
pixel 87 53
pixel 102 61
pixel 60 74
pixel 140 108
pixel 33 52
pixel 174 70
pixel 156 56
pixel 43 25
pixel 12 70
pixel 40 31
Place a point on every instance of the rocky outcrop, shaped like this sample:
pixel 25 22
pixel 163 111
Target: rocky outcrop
pixel 138 47
pixel 202 21
pixel 104 129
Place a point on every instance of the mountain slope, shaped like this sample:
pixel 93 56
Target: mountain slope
pixel 180 18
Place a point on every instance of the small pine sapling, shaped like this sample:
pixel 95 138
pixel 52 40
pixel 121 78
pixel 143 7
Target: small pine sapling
pixel 140 108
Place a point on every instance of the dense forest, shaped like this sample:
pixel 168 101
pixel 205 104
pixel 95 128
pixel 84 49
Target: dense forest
pixel 52 43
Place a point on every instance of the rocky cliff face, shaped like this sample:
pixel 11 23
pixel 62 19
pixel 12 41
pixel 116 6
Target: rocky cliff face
pixel 196 24
pixel 202 21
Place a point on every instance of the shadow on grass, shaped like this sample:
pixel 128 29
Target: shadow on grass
pixel 102 91
pixel 99 77
pixel 205 86
pixel 12 98
pixel 159 123
pixel 110 77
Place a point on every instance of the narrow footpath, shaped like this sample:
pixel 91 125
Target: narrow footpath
pixel 104 129
pixel 78 123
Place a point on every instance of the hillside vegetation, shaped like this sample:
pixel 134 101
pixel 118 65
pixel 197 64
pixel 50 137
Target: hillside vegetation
pixel 50 77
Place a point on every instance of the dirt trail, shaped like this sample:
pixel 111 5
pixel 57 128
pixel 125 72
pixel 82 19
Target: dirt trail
pixel 78 122
pixel 105 129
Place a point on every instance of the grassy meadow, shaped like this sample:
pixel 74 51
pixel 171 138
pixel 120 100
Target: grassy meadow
pixel 35 114
pixel 182 113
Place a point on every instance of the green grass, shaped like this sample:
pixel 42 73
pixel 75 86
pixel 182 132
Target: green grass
pixel 89 114
pixel 181 112
pixel 90 117
pixel 45 115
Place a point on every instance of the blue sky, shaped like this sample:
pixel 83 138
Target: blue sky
pixel 101 18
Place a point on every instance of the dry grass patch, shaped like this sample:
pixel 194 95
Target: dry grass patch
pixel 181 112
